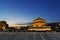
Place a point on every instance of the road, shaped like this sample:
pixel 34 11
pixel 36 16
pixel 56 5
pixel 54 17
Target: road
pixel 29 36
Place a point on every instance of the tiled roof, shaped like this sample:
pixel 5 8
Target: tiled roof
pixel 39 19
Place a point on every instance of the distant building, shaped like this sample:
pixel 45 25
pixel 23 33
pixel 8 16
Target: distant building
pixel 55 26
pixel 22 25
pixel 59 24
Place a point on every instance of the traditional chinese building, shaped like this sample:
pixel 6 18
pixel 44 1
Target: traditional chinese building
pixel 39 24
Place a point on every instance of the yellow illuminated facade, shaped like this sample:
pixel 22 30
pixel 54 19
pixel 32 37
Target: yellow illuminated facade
pixel 39 22
pixel 45 28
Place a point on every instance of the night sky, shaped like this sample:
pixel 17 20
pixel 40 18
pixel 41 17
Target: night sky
pixel 23 11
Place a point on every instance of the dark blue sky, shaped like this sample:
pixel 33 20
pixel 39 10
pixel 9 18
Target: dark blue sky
pixel 14 11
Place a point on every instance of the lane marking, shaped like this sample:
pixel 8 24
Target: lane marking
pixel 42 36
pixel 26 36
pixel 20 35
pixel 33 36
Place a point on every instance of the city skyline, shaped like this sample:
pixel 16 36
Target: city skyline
pixel 23 11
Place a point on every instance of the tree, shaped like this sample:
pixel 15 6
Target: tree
pixel 3 25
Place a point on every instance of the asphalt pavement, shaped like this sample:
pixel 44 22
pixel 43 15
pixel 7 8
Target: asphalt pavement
pixel 29 36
